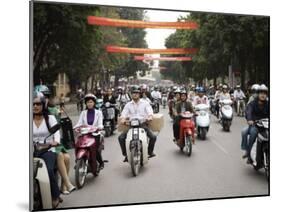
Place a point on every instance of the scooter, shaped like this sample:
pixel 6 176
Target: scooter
pixel 202 120
pixel 187 130
pixel 42 198
pixel 164 100
pixel 86 162
pixel 136 146
pixel 155 105
pixel 225 114
pixel 240 105
pixel 109 124
pixel 260 150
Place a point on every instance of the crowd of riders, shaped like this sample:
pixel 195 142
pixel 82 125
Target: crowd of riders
pixel 136 101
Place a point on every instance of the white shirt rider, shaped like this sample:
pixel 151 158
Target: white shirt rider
pixel 140 110
pixel 156 95
pixel 200 100
pixel 239 94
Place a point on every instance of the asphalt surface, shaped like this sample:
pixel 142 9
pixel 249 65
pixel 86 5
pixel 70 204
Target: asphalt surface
pixel 215 169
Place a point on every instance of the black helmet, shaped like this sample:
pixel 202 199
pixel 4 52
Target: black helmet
pixel 183 91
pixel 90 96
pixel 136 89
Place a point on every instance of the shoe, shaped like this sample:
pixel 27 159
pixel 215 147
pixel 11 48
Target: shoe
pixel 101 166
pixel 71 188
pixel 60 200
pixel 245 155
pixel 151 155
pixel 55 203
pixel 249 161
pixel 125 159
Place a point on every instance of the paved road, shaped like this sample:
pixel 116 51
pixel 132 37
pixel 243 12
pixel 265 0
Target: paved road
pixel 215 169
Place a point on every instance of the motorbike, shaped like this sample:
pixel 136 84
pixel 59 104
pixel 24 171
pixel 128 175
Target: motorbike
pixel 187 130
pixel 260 150
pixel 42 198
pixel 171 104
pixel 212 104
pixel 225 114
pixel 240 106
pixel 109 124
pixel 164 101
pixel 155 105
pixel 85 162
pixel 136 146
pixel 202 120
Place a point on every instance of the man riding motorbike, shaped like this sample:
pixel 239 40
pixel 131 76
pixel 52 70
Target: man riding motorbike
pixel 201 98
pixel 140 109
pixel 192 93
pixel 257 109
pixel 239 95
pixel 111 99
pixel 181 106
pixel 92 117
pixel 254 92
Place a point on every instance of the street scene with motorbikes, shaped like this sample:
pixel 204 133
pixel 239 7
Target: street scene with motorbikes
pixel 135 106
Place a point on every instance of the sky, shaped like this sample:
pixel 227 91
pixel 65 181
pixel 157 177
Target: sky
pixel 155 38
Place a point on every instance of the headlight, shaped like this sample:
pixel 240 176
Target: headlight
pixel 107 104
pixel 135 123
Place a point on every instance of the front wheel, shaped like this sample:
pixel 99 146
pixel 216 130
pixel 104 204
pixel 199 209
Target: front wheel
pixel 188 145
pixel 37 203
pixel 135 161
pixel 81 170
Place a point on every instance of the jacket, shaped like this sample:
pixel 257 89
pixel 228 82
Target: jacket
pixel 254 112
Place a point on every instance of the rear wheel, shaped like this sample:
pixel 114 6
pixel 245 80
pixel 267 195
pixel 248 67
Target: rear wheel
pixel 107 131
pixel 135 161
pixel 81 170
pixel 203 132
pixel 188 145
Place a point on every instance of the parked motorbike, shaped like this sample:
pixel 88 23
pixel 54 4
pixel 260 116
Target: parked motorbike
pixel 202 120
pixel 164 100
pixel 42 198
pixel 109 124
pixel 85 161
pixel 240 106
pixel 260 150
pixel 225 114
pixel 187 129
pixel 136 146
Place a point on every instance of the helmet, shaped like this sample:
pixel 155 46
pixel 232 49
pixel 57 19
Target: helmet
pixel 193 86
pixel 90 96
pixel 220 85
pixel 177 91
pixel 183 91
pixel 136 89
pixel 238 86
pixel 42 98
pixel 255 87
pixel 144 87
pixel 224 87
pixel 200 90
pixel 262 88
pixel 196 89
pixel 175 88
pixel 43 89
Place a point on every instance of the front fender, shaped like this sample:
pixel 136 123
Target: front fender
pixel 82 153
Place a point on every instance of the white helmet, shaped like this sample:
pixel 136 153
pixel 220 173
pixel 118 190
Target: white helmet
pixel 224 87
pixel 262 87
pixel 255 87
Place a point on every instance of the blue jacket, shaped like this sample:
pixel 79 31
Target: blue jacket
pixel 254 112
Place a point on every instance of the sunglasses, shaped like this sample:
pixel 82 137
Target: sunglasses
pixel 37 104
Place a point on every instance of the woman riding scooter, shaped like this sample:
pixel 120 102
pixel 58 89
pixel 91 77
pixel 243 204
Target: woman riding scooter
pixel 42 122
pixel 92 117
pixel 182 106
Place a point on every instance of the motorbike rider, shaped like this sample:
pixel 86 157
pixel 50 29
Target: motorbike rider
pixel 80 97
pixel 112 100
pixel 255 110
pixel 42 122
pixel 192 93
pixel 93 118
pixel 123 96
pixel 201 98
pixel 145 92
pixel 239 94
pixel 156 93
pixel 182 106
pixel 254 92
pixel 141 109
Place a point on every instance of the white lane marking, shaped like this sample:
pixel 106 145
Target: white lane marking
pixel 220 147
